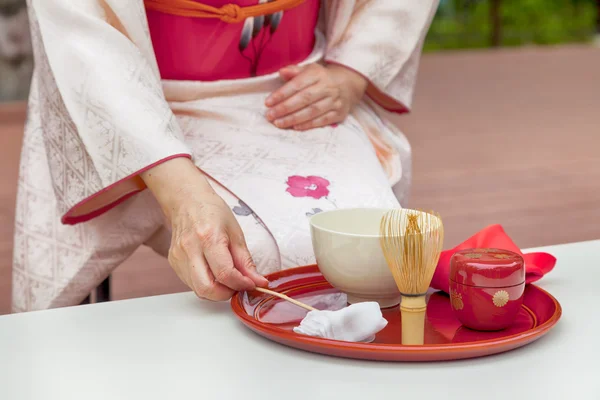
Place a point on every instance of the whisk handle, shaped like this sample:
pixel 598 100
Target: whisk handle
pixel 413 309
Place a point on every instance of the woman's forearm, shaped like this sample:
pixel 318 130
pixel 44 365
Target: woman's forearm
pixel 175 180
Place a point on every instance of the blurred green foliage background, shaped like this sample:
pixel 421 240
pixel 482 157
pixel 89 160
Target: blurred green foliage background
pixel 485 23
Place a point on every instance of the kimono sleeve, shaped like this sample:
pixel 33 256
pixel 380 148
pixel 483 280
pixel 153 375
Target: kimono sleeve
pixel 383 42
pixel 100 104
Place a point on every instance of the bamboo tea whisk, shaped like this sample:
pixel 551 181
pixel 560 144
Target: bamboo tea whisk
pixel 412 241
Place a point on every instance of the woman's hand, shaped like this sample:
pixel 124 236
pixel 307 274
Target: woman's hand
pixel 314 96
pixel 208 251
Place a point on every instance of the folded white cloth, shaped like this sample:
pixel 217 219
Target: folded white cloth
pixel 356 323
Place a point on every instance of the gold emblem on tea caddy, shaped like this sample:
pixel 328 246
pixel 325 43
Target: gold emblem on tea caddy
pixel 456 300
pixel 473 255
pixel 500 298
pixel 501 256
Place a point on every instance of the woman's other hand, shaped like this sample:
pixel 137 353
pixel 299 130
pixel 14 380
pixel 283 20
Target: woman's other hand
pixel 208 251
pixel 314 96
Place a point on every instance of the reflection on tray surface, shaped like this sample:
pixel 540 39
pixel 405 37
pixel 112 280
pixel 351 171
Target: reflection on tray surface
pixel 441 326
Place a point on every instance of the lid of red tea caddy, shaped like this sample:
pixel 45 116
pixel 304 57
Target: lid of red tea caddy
pixel 487 268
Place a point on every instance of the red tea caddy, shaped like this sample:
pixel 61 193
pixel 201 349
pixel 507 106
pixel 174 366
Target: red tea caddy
pixel 486 287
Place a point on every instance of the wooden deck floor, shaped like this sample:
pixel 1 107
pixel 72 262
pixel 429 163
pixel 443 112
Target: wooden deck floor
pixel 509 136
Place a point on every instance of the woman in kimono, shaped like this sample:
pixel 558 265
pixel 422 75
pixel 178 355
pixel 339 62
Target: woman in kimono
pixel 242 120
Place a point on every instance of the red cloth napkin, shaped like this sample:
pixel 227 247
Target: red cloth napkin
pixel 537 264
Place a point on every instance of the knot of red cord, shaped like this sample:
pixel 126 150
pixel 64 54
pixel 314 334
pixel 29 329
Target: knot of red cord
pixel 232 13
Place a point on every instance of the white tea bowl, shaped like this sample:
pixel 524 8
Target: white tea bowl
pixel 346 243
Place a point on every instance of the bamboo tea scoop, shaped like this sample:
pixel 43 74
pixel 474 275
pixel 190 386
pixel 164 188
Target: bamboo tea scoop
pixel 286 298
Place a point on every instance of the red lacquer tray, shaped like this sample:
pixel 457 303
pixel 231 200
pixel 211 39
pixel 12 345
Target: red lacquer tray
pixel 445 338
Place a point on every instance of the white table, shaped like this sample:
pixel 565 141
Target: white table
pixel 177 347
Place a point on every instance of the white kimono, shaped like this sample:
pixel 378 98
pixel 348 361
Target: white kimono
pixel 99 114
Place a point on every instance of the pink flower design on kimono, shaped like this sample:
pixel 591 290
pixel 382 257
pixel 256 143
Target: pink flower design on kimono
pixel 309 186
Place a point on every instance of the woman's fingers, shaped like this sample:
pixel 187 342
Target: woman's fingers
pixel 220 261
pixel 329 118
pixel 207 266
pixel 204 283
pixel 245 264
pixel 290 72
pixel 302 99
pixel 312 98
pixel 299 82
pixel 309 112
